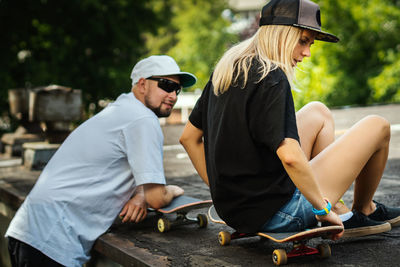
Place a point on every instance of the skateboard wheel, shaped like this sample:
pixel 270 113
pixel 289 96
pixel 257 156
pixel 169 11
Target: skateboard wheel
pixel 163 225
pixel 224 238
pixel 202 220
pixel 279 257
pixel 324 250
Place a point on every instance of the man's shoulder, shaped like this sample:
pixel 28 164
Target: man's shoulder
pixel 133 108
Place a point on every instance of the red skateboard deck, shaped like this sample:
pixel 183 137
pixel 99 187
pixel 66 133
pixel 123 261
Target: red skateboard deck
pixel 299 239
pixel 181 206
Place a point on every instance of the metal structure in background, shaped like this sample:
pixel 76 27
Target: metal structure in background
pixel 45 114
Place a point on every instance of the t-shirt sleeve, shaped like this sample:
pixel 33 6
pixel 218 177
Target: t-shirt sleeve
pixel 196 116
pixel 143 141
pixel 272 114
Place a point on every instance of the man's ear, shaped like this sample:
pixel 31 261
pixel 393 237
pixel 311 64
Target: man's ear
pixel 141 85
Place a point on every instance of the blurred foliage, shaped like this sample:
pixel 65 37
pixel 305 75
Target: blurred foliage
pixel 386 85
pixel 196 37
pixel 363 68
pixel 85 44
pixel 93 44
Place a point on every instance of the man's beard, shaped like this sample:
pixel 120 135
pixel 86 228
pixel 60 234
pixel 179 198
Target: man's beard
pixel 157 110
pixel 159 113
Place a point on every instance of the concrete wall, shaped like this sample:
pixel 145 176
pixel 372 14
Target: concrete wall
pixel 6 214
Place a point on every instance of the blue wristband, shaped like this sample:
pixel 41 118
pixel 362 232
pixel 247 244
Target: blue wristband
pixel 324 211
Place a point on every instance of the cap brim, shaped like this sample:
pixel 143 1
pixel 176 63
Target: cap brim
pixel 187 79
pixel 321 35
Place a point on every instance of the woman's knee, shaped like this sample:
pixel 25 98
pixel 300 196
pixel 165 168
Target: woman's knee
pixel 381 125
pixel 320 110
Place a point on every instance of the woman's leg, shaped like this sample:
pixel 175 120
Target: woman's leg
pixel 316 129
pixel 359 155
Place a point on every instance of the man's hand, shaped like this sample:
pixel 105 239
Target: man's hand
pixel 135 210
pixel 333 219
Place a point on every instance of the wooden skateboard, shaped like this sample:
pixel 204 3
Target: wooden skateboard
pixel 298 239
pixel 181 206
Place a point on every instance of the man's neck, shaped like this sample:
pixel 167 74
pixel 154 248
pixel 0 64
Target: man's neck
pixel 138 95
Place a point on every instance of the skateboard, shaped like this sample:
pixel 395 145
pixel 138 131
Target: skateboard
pixel 298 239
pixel 180 206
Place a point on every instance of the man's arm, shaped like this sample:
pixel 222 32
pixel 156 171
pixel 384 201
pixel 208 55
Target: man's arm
pixel 148 195
pixel 135 210
pixel 158 196
pixel 192 141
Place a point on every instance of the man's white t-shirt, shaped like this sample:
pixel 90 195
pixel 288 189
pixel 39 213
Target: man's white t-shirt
pixel 89 179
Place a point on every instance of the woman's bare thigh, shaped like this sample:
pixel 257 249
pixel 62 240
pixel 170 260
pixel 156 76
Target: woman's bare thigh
pixel 339 164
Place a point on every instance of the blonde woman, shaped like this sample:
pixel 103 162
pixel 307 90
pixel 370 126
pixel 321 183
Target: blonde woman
pixel 268 168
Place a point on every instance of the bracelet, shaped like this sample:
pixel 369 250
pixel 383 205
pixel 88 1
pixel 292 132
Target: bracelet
pixel 325 210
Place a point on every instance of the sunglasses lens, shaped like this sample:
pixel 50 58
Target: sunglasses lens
pixel 169 86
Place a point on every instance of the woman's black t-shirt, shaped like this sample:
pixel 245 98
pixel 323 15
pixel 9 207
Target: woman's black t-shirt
pixel 243 128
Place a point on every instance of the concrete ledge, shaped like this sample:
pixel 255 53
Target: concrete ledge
pixel 37 154
pixel 15 186
pixel 124 252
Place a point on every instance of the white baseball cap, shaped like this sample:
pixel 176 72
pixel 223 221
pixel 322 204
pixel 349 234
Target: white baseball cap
pixel 161 66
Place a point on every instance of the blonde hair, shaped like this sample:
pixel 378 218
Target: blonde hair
pixel 271 45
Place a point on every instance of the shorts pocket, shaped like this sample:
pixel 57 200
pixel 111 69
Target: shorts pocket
pixel 283 222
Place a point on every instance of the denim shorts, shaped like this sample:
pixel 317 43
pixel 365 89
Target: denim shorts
pixel 296 215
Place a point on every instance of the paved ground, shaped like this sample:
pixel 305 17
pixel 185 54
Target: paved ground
pixel 200 247
pixel 189 246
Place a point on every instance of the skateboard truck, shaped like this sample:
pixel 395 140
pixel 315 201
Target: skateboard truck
pixel 164 224
pixel 280 256
pixel 181 206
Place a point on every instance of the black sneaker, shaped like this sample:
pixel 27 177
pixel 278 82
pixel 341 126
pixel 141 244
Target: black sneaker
pixel 360 225
pixel 386 214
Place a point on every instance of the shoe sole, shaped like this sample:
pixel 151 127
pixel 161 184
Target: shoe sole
pixel 368 230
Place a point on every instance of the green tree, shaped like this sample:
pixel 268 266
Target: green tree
pixel 197 36
pixel 356 70
pixel 386 85
pixel 86 44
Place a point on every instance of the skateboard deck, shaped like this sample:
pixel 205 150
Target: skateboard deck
pixel 185 204
pixel 299 239
pixel 181 206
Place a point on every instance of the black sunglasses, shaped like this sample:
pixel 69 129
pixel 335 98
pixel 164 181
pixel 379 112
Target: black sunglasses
pixel 167 85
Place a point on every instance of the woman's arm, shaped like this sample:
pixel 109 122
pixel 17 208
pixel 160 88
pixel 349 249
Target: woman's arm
pixel 298 168
pixel 192 141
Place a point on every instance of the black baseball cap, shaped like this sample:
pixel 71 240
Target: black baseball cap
pixel 298 13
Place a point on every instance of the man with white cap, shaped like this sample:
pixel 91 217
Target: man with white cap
pixel 110 165
pixel 164 73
